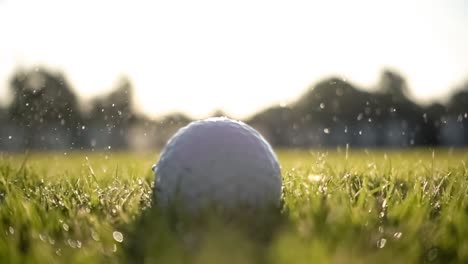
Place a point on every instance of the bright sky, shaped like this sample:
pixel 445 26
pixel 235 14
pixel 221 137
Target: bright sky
pixel 238 56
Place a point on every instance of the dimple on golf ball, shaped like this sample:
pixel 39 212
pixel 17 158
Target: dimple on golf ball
pixel 217 161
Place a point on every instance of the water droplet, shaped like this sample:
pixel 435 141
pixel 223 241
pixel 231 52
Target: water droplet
pixel 322 105
pixel 83 127
pixel 314 177
pixel 109 147
pixel 10 137
pixel 397 235
pixel 117 236
pixel 381 243
pixel 71 243
pixel 95 235
pixel 65 227
pixel 326 130
pixel 11 230
pixel 359 117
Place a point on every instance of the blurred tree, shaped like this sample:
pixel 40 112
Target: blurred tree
pixel 218 113
pixel 331 100
pixel 335 111
pixel 458 108
pixel 116 108
pixel 275 123
pixel 394 84
pixel 43 99
pixel 458 103
pixel 111 116
pixel 175 119
pixel 3 114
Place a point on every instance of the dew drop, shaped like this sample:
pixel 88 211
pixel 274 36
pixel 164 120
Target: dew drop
pixel 117 236
pixel 95 235
pixel 381 243
pixel 359 117
pixel 397 235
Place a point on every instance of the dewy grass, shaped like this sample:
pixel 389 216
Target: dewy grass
pixel 339 206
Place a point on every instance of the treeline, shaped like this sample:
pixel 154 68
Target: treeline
pixel 335 113
pixel 45 113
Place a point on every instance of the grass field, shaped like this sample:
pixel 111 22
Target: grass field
pixel 339 207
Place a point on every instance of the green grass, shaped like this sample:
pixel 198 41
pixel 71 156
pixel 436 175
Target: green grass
pixel 339 207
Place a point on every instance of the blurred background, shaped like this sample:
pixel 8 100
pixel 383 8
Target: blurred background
pixel 114 75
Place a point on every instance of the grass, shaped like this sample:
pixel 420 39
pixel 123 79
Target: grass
pixel 339 207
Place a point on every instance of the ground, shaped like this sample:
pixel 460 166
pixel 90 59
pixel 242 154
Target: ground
pixel 339 206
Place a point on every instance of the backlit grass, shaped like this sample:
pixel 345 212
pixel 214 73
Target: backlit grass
pixel 338 207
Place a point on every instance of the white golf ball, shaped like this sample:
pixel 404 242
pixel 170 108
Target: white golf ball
pixel 217 161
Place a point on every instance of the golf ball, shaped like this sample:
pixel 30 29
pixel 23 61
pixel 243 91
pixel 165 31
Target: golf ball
pixel 217 161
